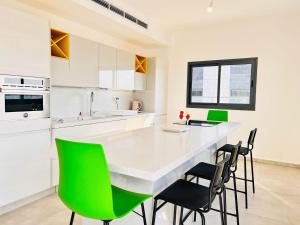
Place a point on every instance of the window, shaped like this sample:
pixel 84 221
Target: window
pixel 222 84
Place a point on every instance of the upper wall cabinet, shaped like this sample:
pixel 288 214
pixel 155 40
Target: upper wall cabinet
pixel 107 66
pixel 125 70
pixel 81 70
pixel 24 45
pixel 84 62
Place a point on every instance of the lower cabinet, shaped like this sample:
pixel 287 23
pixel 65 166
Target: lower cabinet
pixel 24 165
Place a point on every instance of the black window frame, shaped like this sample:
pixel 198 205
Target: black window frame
pixel 252 104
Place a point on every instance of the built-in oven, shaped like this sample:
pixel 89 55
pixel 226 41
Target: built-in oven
pixel 24 97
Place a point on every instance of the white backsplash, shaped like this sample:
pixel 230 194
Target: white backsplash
pixel 69 102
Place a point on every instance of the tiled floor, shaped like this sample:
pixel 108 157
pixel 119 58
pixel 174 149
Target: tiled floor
pixel 276 202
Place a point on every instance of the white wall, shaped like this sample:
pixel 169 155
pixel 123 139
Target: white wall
pixel 275 41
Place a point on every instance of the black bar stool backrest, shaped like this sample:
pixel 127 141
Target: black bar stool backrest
pixel 217 182
pixel 235 155
pixel 251 139
pixel 231 164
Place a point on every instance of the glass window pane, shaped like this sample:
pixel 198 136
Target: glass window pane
pixel 235 84
pixel 204 84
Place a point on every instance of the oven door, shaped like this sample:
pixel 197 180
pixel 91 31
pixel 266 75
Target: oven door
pixel 18 104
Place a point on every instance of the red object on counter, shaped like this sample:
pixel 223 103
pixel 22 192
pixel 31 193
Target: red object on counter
pixel 187 116
pixel 181 116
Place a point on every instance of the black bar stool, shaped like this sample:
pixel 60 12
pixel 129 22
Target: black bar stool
pixel 206 171
pixel 244 151
pixel 194 197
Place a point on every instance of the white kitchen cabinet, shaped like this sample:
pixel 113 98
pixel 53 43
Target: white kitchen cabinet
pixel 81 70
pixel 24 45
pixel 125 70
pixel 83 62
pixel 60 71
pixel 24 165
pixel 107 66
pixel 140 82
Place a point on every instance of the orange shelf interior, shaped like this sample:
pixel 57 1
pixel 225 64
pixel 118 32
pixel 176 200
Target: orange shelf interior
pixel 141 64
pixel 60 44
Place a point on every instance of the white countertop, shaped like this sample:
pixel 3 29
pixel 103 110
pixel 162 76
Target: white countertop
pixel 150 153
pixel 70 122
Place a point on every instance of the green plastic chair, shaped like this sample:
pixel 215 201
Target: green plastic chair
pixel 217 115
pixel 85 187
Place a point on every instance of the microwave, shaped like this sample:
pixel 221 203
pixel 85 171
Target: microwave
pixel 24 97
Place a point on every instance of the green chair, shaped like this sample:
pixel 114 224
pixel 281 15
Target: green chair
pixel 217 115
pixel 85 187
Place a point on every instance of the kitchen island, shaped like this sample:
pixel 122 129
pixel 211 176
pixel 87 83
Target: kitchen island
pixel 148 160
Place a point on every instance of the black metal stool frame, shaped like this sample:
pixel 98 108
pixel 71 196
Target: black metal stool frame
pixel 230 173
pixel 250 146
pixel 218 189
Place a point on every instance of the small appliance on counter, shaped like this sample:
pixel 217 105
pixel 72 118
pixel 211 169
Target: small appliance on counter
pixel 137 105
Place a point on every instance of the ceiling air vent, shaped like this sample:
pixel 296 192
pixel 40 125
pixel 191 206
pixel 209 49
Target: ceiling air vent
pixel 102 3
pixel 122 13
pixel 130 17
pixel 116 10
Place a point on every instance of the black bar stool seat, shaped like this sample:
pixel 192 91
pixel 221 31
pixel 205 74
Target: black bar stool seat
pixel 228 148
pixel 203 170
pixel 186 194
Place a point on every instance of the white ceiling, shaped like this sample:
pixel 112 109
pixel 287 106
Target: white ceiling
pixel 163 16
pixel 178 14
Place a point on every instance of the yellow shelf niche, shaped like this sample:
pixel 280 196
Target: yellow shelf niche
pixel 60 44
pixel 141 64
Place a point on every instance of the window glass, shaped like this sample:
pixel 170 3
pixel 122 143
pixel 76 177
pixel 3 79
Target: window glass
pixel 205 84
pixel 235 84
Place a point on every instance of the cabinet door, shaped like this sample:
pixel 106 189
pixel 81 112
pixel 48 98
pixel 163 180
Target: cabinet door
pixel 60 71
pixel 125 70
pixel 24 165
pixel 107 66
pixel 140 82
pixel 24 45
pixel 83 62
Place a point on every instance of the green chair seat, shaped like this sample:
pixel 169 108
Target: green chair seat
pixel 125 202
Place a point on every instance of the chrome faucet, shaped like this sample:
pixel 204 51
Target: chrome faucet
pixel 117 102
pixel 91 103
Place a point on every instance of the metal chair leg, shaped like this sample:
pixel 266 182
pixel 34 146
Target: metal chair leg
pixel 181 216
pixel 202 218
pixel 236 201
pixel 246 182
pixel 195 213
pixel 154 212
pixel 225 205
pixel 174 214
pixel 221 209
pixel 144 214
pixel 252 172
pixel 72 218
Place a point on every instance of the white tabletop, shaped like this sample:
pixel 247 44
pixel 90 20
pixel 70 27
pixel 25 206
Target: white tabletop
pixel 150 153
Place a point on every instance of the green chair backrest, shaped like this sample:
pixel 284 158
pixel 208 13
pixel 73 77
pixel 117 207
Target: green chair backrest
pixel 217 115
pixel 84 180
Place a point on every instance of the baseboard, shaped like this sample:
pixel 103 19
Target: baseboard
pixel 25 201
pixel 271 162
